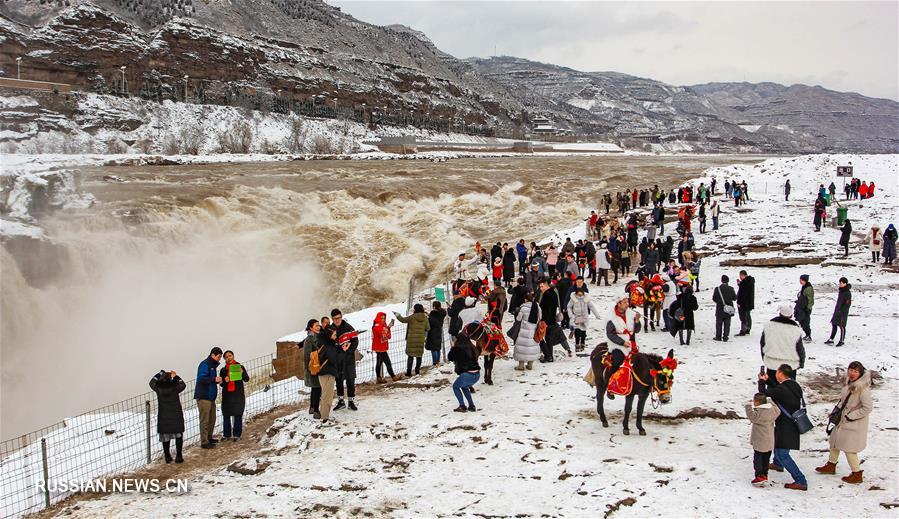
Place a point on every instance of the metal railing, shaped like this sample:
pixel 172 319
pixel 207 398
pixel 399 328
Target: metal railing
pixel 121 437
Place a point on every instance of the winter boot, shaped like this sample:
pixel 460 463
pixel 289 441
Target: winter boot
pixel 520 366
pixel 461 409
pixel 827 468
pixel 317 416
pixel 352 405
pixel 855 478
pixel 165 450
pixel 340 405
pixel 529 365
pixel 795 486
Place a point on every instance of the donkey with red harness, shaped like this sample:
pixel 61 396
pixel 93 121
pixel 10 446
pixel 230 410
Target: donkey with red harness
pixel 641 375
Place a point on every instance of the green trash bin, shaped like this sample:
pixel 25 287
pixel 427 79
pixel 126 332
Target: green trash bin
pixel 827 199
pixel 842 215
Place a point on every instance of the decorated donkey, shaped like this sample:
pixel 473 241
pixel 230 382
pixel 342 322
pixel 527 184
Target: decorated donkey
pixel 640 376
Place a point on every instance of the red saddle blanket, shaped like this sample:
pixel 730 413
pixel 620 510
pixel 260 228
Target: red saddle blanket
pixel 621 382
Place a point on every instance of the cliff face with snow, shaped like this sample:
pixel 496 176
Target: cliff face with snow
pixel 305 50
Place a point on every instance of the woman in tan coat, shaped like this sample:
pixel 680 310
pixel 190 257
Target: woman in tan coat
pixel 851 433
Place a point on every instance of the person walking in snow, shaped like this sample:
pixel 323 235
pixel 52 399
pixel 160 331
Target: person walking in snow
pixel 787 394
pixel 682 311
pixel 889 244
pixel 346 360
pixel 762 415
pixel 874 239
pixel 525 349
pixel 715 211
pixel 849 435
pixel 724 298
pixel 840 312
pixel 417 327
pixel 579 308
pixel 551 310
pixel 802 310
pixel 781 342
pixel 434 341
pixel 819 210
pixel 745 301
pixel 787 191
pixel 845 235
pixel 234 400
pixel 205 393
pixel 522 252
pixel 169 415
pixel 464 355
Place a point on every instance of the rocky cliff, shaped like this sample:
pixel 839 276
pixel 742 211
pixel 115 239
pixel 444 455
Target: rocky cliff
pixel 216 51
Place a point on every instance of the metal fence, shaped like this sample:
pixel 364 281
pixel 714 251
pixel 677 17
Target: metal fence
pixel 121 437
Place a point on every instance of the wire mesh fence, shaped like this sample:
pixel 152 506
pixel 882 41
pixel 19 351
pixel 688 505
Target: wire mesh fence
pixel 45 466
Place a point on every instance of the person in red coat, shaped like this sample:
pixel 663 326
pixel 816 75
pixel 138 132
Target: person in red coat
pixel 380 343
pixel 863 190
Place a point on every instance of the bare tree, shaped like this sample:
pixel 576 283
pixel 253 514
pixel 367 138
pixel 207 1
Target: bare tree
pixel 322 144
pixel 236 139
pixel 191 138
pixel 295 141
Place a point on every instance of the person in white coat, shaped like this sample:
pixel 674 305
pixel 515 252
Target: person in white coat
pixel 782 342
pixel 460 267
pixel 604 265
pixel 525 349
pixel 579 309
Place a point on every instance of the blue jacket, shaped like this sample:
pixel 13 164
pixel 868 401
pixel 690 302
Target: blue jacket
pixel 206 388
pixel 522 251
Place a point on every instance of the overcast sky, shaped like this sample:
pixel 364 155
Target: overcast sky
pixel 845 46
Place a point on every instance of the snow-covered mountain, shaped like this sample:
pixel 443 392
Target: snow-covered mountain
pixel 301 49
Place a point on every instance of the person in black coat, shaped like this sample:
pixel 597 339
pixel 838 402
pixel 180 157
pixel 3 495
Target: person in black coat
pixel 233 398
pixel 169 416
pixel 328 359
pixel 346 361
pixel 509 268
pixel 745 301
pixel 722 296
pixel 845 235
pixel 787 394
pixel 434 340
pixel 464 355
pixel 685 302
pixel 455 324
pixel 496 252
pixel 550 305
pixel 517 295
pixel 840 312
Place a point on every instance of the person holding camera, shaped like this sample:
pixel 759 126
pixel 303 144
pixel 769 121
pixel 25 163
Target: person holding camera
pixel 787 394
pixel 848 426
pixel 169 416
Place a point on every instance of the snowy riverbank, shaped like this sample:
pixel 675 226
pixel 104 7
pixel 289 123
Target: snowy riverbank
pixel 537 446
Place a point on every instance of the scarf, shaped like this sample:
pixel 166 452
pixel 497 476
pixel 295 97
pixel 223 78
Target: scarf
pixel 231 383
pixel 623 316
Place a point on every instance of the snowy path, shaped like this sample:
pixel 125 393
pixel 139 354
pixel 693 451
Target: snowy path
pixel 537 447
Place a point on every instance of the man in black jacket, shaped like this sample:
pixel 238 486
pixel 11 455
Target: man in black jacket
pixel 745 301
pixel 723 296
pixel 787 394
pixel 549 307
pixel 346 361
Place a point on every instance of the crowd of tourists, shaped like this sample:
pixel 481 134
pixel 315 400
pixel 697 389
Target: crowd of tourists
pixel 545 291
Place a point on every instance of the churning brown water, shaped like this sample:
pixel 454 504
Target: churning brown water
pixel 176 259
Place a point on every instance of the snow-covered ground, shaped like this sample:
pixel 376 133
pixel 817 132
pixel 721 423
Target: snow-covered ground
pixel 536 446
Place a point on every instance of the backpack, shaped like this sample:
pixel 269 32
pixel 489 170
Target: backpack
pixel 315 366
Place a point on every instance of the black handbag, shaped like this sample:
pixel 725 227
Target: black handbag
pixel 799 417
pixel 833 420
pixel 514 330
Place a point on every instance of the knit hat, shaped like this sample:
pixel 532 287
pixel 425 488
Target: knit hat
pixel 804 277
pixel 785 310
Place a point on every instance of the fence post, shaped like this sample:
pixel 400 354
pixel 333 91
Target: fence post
pixel 46 471
pixel 149 446
pixel 409 301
